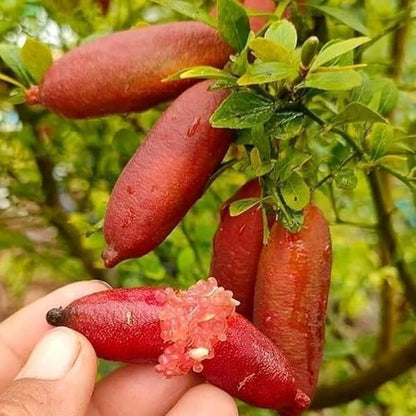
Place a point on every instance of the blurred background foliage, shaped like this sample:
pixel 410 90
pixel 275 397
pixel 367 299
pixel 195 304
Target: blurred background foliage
pixel 56 176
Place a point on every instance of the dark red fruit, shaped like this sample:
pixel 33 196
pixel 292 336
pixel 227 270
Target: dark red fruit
pixel 165 177
pixel 236 249
pixel 291 294
pixel 122 72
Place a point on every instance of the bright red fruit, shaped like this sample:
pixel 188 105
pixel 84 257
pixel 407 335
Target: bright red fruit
pixel 291 294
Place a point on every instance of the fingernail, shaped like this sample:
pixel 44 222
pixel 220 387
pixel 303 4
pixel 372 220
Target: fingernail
pixel 104 283
pixel 53 357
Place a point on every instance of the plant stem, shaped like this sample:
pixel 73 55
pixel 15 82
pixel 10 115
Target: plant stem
pixel 399 40
pixel 387 234
pixel 57 215
pixel 384 369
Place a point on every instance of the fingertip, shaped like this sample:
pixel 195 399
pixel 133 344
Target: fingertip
pixel 208 399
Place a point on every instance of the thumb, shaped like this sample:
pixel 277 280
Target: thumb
pixel 58 378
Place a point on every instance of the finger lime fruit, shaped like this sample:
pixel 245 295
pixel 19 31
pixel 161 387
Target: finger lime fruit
pixel 166 176
pixel 197 330
pixel 291 294
pixel 123 72
pixel 236 248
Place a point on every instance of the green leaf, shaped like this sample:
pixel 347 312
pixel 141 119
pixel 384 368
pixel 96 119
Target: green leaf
pixel 380 139
pixel 284 33
pixel 201 72
pixel 265 221
pixel 261 141
pixel 266 72
pixel 188 10
pixel 17 96
pixel 10 54
pixel 292 220
pixel 255 159
pixel 295 192
pixel 378 93
pixel 289 160
pixel 358 113
pixel 233 23
pixel 242 109
pixel 221 84
pixel 285 125
pixel 333 81
pixel 257 165
pixel 344 16
pixel 345 179
pixel 269 51
pixel 36 58
pixel 337 49
pixel 243 205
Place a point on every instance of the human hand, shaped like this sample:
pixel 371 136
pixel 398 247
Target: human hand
pixel 48 372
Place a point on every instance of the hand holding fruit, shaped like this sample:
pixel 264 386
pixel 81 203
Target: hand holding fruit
pixel 53 372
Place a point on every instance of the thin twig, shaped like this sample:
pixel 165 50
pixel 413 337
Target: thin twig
pixel 385 369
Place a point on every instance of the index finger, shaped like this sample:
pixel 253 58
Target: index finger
pixel 22 331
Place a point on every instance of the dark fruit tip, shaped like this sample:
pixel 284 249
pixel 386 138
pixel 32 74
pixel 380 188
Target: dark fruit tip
pixel 32 95
pixel 54 317
pixel 110 257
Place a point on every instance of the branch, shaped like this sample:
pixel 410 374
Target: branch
pixel 388 236
pixel 399 40
pixel 56 214
pixel 383 370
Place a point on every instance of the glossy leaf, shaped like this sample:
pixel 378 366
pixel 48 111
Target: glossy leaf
pixel 269 51
pixel 189 10
pixel 242 109
pixel 337 49
pixel 36 57
pixel 204 72
pixel 344 16
pixel 262 73
pixel 243 205
pixel 358 113
pixel 233 23
pixel 284 33
pixel 295 192
pixel 334 81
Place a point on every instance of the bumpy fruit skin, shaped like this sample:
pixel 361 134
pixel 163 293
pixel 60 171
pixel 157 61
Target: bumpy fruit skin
pixel 291 294
pixel 122 72
pixel 123 325
pixel 236 249
pixel 165 177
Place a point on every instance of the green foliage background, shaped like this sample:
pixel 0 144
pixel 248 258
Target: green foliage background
pixel 56 176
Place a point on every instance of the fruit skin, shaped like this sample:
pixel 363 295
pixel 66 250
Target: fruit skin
pixel 122 72
pixel 166 176
pixel 291 294
pixel 236 248
pixel 123 325
pixel 266 6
